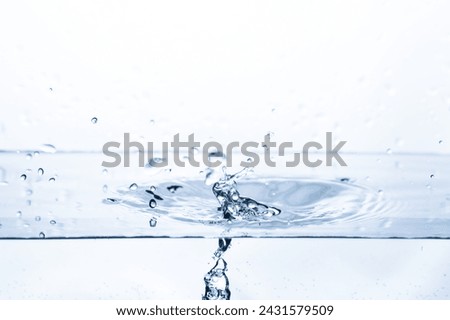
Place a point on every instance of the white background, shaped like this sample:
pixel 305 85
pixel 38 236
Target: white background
pixel 376 73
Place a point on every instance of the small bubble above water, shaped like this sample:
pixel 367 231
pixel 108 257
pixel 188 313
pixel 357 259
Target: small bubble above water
pixel 23 177
pixel 94 120
pixel 52 222
pixel 156 163
pixel 42 235
pixel 48 148
pixel 152 203
pixel 133 186
pixel 40 171
pixel 152 222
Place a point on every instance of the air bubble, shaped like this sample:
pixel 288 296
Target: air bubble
pixel 105 172
pixel 19 214
pixel 173 188
pixel 152 203
pixel 48 148
pixel 152 188
pixel 105 188
pixel 37 218
pixel 389 151
pixel 152 222
pixel 52 222
pixel 40 171
pixel 94 120
pixel 23 177
pixel 42 235
pixel 29 156
pixel 133 186
pixel 52 179
pixel 431 176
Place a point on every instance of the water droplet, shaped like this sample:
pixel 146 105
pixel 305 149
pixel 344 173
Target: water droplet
pixel 152 203
pixel 155 196
pixel 105 188
pixel 110 201
pixel 40 171
pixel 37 218
pixel 156 163
pixel 48 148
pixel 23 177
pixel 152 222
pixel 389 151
pixel 387 224
pixel 94 120
pixel 52 222
pixel 42 235
pixel 133 186
pixel 52 179
pixel 399 142
pixel 152 188
pixel 173 188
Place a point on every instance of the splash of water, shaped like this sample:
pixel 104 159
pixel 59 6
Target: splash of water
pixel 233 205
pixel 217 285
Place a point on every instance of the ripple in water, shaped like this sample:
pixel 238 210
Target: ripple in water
pixel 281 203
